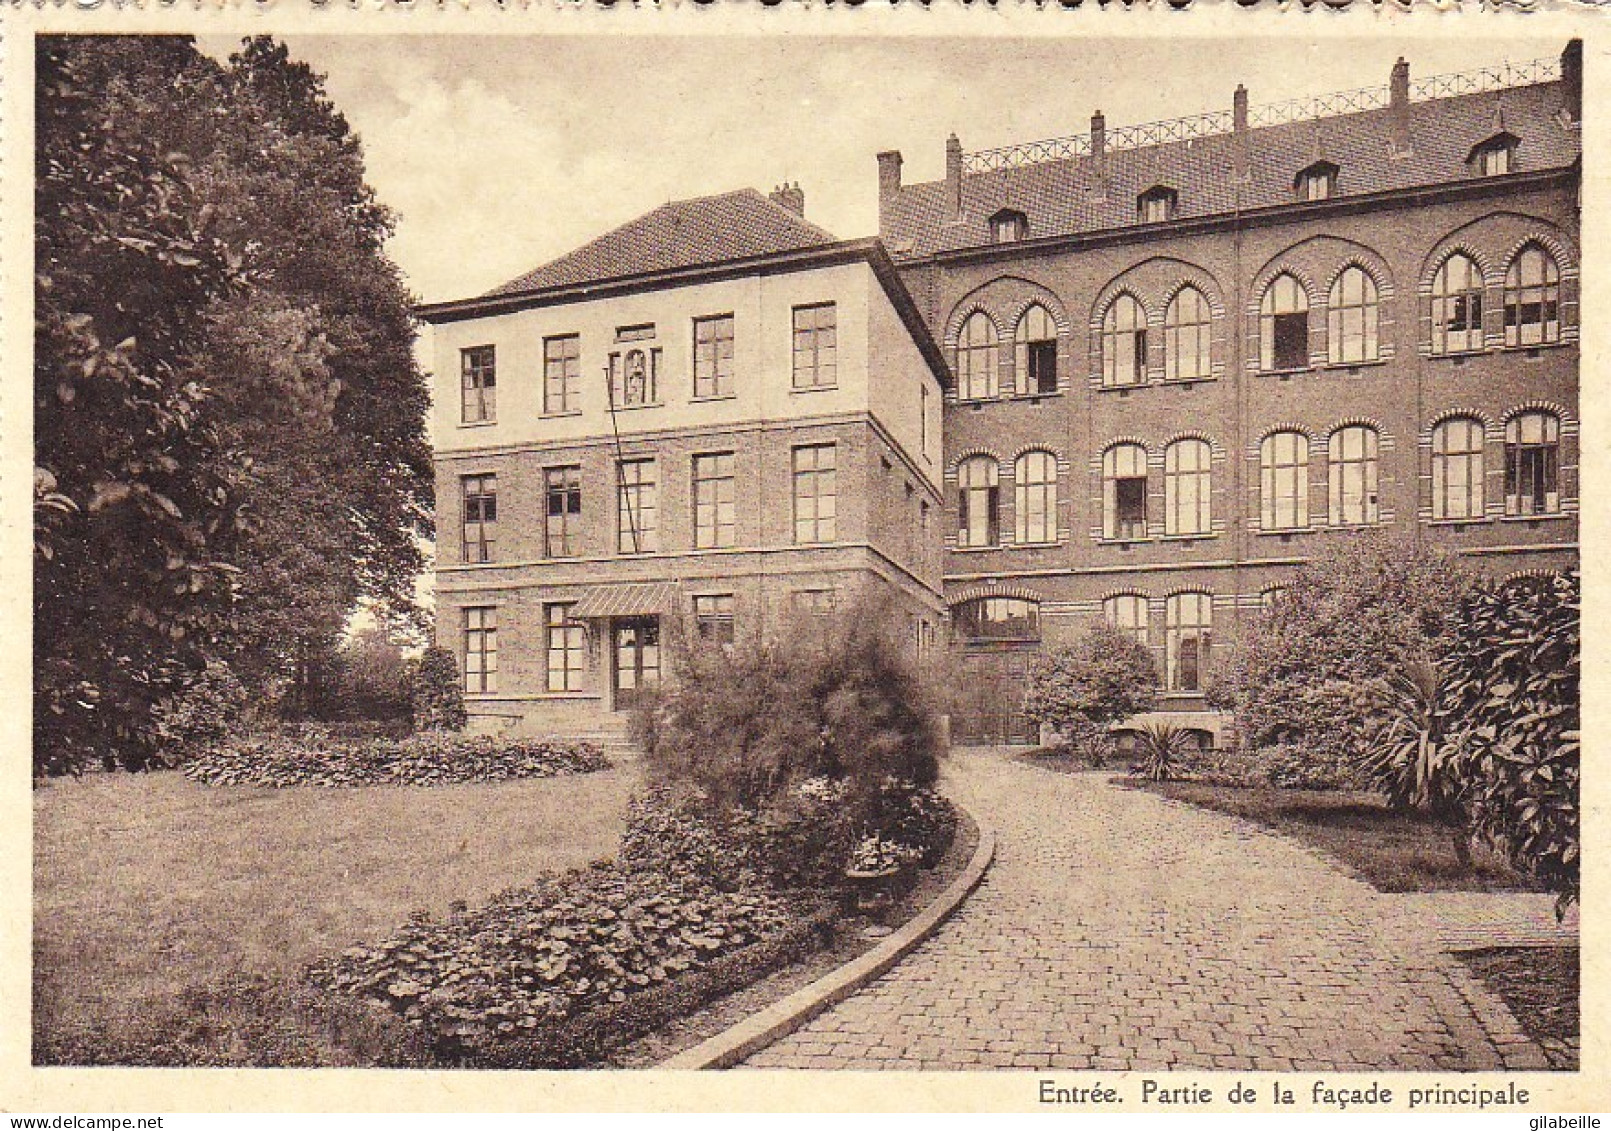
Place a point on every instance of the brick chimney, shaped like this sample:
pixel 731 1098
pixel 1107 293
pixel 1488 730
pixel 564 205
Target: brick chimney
pixel 889 184
pixel 1099 155
pixel 1398 108
pixel 953 178
pixel 1572 81
pixel 1244 164
pixel 791 196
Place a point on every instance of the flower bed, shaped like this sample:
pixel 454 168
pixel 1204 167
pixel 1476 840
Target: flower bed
pixel 550 975
pixel 322 757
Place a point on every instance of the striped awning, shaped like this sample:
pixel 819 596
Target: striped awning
pixel 626 601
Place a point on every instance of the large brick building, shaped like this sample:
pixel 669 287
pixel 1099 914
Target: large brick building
pixel 1174 359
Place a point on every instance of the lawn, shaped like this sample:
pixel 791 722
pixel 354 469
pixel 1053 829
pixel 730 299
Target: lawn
pixel 1394 852
pixel 146 885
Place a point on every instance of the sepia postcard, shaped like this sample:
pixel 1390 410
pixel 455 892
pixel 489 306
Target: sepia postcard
pixel 920 558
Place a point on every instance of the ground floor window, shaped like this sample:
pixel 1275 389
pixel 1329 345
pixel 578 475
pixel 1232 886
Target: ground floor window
pixel 713 616
pixel 815 602
pixel 566 650
pixel 480 650
pixel 1189 625
pixel 998 618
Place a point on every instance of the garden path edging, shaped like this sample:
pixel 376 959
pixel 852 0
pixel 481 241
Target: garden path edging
pixel 735 1044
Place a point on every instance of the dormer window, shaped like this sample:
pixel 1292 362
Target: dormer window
pixel 1496 156
pixel 1157 204
pixel 1008 226
pixel 1317 182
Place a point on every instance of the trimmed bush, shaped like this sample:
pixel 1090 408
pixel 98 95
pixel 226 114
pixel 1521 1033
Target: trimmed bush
pixel 1079 691
pixel 437 692
pixel 494 985
pixel 319 756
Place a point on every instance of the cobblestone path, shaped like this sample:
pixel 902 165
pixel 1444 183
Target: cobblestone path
pixel 1118 930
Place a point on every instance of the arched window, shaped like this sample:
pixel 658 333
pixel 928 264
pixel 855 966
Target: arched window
pixel 1036 342
pixel 1284 325
pixel 1035 497
pixel 1124 342
pixel 1187 479
pixel 997 618
pixel 1127 612
pixel 1457 490
pixel 1284 481
pixel 1189 624
pixel 1532 298
pixel 978 502
pixel 1533 464
pixel 1188 324
pixel 1124 492
pixel 1457 305
pixel 1351 317
pixel 976 358
pixel 1353 476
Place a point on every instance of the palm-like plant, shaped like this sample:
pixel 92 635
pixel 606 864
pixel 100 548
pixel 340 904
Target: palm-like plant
pixel 1405 752
pixel 1163 748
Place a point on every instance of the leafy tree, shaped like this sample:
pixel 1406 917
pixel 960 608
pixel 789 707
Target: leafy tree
pixel 1102 678
pixel 1312 671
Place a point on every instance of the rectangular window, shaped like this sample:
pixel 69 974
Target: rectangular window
pixel 562 374
pixel 923 417
pixel 567 655
pixel 713 356
pixel 1291 340
pixel 480 383
pixel 713 617
pixel 562 529
pixel 480 650
pixel 1531 475
pixel 816 500
pixel 713 501
pixel 480 516
pixel 636 509
pixel 1130 508
pixel 814 602
pixel 816 348
pixel 1043 366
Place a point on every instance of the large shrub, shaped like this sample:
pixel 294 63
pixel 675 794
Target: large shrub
pixel 437 692
pixel 1308 674
pixel 207 712
pixel 1511 694
pixel 1102 678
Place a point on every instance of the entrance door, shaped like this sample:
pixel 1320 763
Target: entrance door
pixel 637 659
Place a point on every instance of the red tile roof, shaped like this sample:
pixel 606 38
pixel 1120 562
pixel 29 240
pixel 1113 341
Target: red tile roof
pixel 684 233
pixel 1061 197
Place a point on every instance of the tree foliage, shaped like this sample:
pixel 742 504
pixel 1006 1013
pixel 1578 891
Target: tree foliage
pixel 1102 678
pixel 1310 673
pixel 438 691
pixel 230 446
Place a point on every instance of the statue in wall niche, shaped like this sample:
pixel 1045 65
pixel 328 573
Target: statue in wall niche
pixel 635 391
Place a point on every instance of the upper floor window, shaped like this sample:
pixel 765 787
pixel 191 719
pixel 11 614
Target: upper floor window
pixel 1284 325
pixel 562 522
pixel 1495 156
pixel 1318 182
pixel 713 356
pixel 1127 612
pixel 1187 482
pixel 1124 492
pixel 1035 497
pixel 816 346
pixel 635 378
pixel 1188 325
pixel 1351 314
pixel 997 618
pixel 1532 298
pixel 1188 623
pixel 1036 340
pixel 637 507
pixel 480 650
pixel 1457 471
pixel 1284 481
pixel 978 502
pixel 1157 204
pixel 480 384
pixel 1457 305
pixel 1352 468
pixel 562 374
pixel 1008 226
pixel 816 496
pixel 1124 342
pixel 1533 464
pixel 480 516
pixel 813 602
pixel 976 358
pixel 713 501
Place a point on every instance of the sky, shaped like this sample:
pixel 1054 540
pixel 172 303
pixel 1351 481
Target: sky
pixel 499 154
